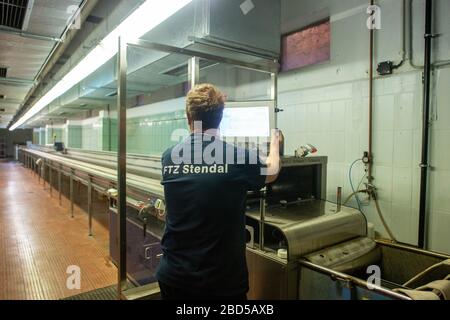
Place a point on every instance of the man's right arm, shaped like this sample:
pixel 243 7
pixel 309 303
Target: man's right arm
pixel 273 161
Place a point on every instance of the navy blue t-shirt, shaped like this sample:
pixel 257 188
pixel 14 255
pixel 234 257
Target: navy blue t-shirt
pixel 204 240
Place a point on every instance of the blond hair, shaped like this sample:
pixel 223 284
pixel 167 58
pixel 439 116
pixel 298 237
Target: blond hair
pixel 205 103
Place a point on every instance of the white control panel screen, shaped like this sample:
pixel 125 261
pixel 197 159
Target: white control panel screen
pixel 246 122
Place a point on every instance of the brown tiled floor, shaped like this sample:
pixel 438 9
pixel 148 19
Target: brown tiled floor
pixel 39 240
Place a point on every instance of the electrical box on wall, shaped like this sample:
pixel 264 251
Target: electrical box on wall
pixel 385 68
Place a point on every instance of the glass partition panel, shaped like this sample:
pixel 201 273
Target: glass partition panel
pixel 78 117
pixel 249 113
pixel 157 80
pixel 156 87
pixel 237 83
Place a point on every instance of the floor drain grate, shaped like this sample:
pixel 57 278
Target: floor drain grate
pixel 108 293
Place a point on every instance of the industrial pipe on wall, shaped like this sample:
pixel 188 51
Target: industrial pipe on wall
pixel 371 57
pixel 408 10
pixel 425 122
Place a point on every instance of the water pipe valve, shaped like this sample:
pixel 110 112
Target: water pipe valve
pixel 366 158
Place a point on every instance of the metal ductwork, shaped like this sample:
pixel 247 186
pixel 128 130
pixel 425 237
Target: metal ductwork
pixel 250 30
pixel 13 13
pixel 226 24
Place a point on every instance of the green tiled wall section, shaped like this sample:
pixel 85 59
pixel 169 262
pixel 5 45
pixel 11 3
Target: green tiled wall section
pixel 147 135
pixel 152 135
pixel 92 135
pixel 109 136
pixel 74 136
pixel 42 140
pixel 36 136
pixel 55 135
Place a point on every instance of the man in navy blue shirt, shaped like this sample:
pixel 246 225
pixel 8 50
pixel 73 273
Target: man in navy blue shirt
pixel 205 184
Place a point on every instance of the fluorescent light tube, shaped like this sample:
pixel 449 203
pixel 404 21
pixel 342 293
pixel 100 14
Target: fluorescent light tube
pixel 150 14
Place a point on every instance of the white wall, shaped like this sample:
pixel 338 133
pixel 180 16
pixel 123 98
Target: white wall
pixel 327 105
pixel 439 235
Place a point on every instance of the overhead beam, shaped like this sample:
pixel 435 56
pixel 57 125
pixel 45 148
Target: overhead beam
pixel 26 19
pixel 7 101
pixel 269 66
pixel 17 81
pixel 24 34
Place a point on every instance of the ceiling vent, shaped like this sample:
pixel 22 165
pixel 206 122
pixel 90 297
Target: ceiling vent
pixel 12 13
pixel 3 72
pixel 182 70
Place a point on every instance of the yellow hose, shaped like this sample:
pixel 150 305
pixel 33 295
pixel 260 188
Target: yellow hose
pixel 352 195
pixel 388 230
pixel 377 206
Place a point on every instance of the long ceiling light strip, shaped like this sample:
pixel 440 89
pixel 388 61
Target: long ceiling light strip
pixel 146 17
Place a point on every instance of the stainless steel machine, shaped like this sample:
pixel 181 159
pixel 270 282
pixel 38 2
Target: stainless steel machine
pixel 303 247
pixel 288 220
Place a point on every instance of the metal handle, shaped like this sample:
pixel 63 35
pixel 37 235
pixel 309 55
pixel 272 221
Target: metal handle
pixel 147 253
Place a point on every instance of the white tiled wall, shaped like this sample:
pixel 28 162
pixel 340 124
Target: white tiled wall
pixel 335 120
pixel 439 224
pixel 327 105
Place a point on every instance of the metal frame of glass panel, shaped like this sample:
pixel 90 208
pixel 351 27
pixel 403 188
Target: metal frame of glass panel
pixel 268 66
